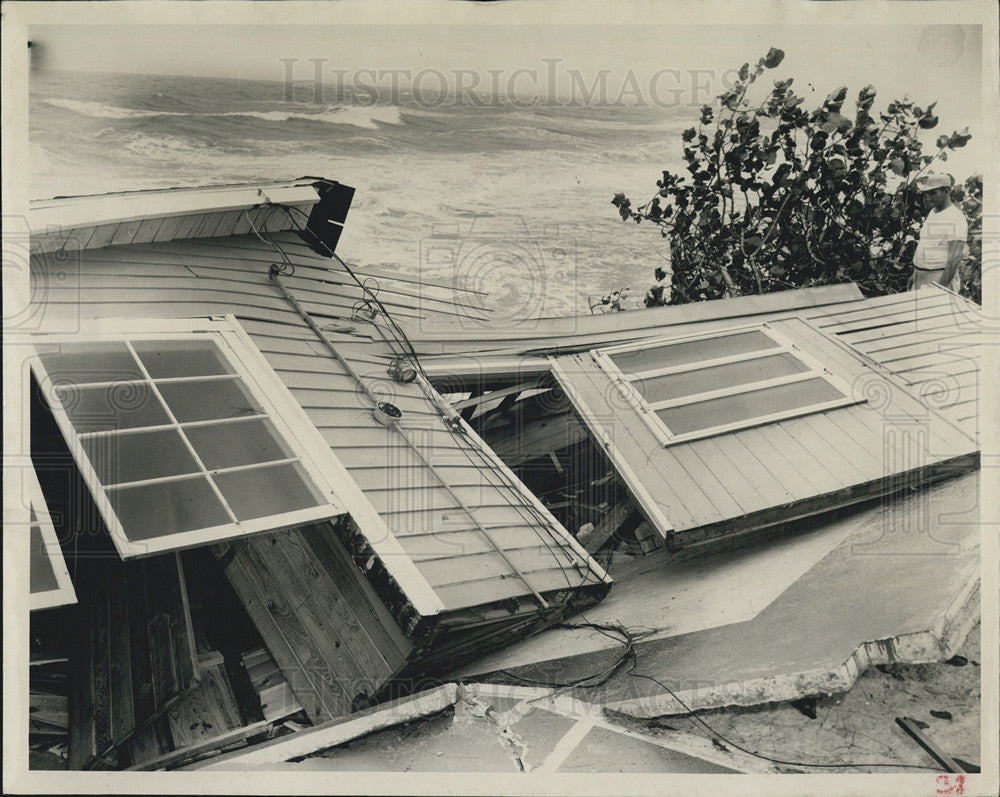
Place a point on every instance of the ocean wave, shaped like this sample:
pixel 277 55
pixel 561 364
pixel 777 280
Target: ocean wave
pixel 354 116
pixel 98 110
pixel 166 148
pixel 345 115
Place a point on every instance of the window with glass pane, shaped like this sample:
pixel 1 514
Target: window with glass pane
pixel 180 444
pixel 49 581
pixel 723 382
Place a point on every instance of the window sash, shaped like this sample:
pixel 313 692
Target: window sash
pixel 647 410
pixel 64 593
pixel 254 375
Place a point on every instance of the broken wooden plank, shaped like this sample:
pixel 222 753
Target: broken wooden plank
pixel 201 749
pixel 135 656
pixel 925 741
pixel 608 525
pixel 51 710
pixel 277 700
pixel 514 390
pixel 338 731
pixel 205 712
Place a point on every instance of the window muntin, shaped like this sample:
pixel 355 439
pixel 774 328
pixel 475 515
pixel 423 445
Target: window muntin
pixel 665 387
pixel 698 387
pixel 746 406
pixel 179 455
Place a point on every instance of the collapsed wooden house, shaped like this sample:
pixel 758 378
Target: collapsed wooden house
pixel 202 381
pixel 730 417
pixel 383 476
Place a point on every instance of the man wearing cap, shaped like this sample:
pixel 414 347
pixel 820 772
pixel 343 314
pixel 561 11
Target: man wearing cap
pixel 942 236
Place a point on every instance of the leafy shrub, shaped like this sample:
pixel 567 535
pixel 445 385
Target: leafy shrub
pixel 778 197
pixel 969 198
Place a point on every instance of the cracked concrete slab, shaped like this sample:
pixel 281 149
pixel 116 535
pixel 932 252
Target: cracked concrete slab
pixel 538 731
pixel 603 750
pixel 901 587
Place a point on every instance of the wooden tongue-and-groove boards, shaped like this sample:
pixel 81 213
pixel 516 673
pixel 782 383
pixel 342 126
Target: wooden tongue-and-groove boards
pixel 204 714
pixel 331 636
pixel 735 481
pixel 135 655
pixel 931 338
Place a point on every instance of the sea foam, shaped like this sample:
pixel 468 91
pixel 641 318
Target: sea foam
pixel 355 116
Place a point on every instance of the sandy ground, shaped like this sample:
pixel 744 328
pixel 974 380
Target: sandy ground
pixel 858 728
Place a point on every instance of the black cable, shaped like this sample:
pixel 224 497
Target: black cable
pixel 629 640
pixel 630 654
pixel 288 267
pixel 536 518
pixel 401 338
pixel 604 675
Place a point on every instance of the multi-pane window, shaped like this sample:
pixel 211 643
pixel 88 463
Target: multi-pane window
pixel 178 439
pixel 696 387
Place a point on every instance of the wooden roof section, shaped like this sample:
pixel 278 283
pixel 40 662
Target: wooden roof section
pixel 728 483
pixel 404 483
pixel 468 335
pixel 930 338
pixel 91 222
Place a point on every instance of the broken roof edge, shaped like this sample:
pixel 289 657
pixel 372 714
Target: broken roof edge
pixel 644 322
pixel 73 212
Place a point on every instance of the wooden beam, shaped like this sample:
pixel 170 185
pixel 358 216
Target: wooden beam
pixel 476 400
pixel 336 732
pixel 928 744
pixel 208 747
pixel 608 525
pixel 470 404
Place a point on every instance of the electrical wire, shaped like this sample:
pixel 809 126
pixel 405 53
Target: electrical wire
pixel 724 740
pixel 604 675
pixel 288 268
pixel 628 639
pixel 630 654
pixel 400 338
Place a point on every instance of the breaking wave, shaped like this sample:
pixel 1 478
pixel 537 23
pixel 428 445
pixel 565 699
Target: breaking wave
pixel 98 110
pixel 353 116
pixel 369 118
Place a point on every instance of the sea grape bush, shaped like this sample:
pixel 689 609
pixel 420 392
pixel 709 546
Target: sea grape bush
pixel 969 197
pixel 779 197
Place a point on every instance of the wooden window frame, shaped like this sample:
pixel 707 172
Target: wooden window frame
pixel 63 594
pixel 647 410
pixel 264 386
